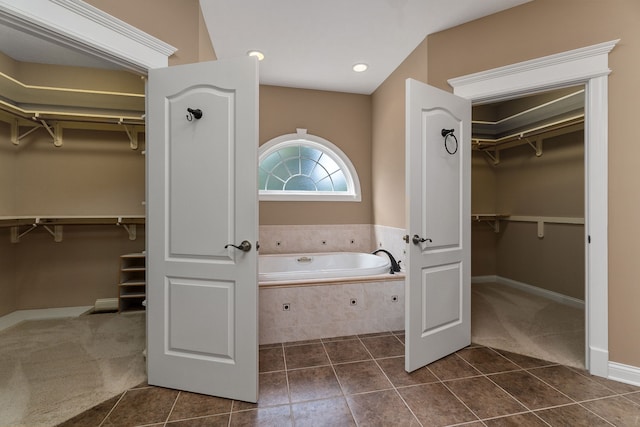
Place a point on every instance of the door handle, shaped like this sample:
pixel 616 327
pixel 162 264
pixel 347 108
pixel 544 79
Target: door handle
pixel 245 246
pixel 417 240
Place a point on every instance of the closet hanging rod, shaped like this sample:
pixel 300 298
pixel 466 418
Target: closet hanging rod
pixel 486 143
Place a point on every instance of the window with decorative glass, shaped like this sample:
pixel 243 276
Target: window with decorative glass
pixel 306 167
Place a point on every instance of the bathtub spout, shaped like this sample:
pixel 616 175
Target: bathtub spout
pixel 395 266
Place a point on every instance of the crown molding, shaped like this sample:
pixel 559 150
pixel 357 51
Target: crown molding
pixel 576 66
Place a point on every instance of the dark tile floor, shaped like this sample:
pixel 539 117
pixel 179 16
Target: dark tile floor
pixel 360 381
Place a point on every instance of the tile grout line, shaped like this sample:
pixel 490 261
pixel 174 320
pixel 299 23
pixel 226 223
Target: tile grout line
pixel 112 408
pixel 529 410
pixel 575 401
pixel 487 376
pixel 172 407
pixel 451 391
pixel 391 382
pixel 344 396
pixel 286 378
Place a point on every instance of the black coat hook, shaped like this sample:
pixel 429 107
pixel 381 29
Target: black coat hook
pixel 194 113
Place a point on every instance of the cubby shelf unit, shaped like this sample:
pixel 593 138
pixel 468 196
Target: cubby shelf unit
pixel 132 282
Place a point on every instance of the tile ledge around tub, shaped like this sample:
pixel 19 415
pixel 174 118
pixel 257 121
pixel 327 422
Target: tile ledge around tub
pixel 331 281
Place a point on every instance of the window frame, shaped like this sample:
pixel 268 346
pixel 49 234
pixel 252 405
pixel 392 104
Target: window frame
pixel 352 194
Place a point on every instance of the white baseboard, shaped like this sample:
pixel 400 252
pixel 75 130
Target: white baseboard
pixel 484 279
pixel 18 316
pixel 554 296
pixel 106 304
pixel 624 373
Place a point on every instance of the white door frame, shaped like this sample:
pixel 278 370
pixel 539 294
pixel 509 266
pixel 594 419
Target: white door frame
pixel 588 66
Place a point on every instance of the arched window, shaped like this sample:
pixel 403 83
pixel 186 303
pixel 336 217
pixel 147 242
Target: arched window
pixel 300 166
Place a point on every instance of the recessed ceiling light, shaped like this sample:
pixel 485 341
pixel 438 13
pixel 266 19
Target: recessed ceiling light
pixel 257 54
pixel 358 68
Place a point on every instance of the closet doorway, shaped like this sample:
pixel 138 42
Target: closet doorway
pixel 528 233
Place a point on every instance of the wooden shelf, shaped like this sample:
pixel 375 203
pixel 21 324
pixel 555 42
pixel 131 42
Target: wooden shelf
pixel 132 286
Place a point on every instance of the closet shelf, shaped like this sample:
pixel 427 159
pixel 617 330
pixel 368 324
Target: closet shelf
pixel 128 222
pixel 494 220
pixel 532 137
pixel 130 125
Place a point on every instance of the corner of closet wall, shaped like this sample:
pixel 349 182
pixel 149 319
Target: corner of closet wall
pixel 8 288
pixel 95 173
pixel 540 239
pixel 484 239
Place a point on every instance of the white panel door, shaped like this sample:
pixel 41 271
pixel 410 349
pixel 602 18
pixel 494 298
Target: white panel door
pixel 202 295
pixel 438 289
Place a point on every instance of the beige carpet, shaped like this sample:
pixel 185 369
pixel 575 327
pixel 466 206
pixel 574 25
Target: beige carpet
pixel 51 370
pixel 510 319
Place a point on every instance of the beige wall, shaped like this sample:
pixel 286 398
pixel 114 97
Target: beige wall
pixel 388 139
pixel 93 173
pixel 484 186
pixel 8 288
pixel 500 40
pixel 342 118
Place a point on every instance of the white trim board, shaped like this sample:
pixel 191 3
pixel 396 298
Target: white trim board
pixel 20 316
pixel 586 66
pixel 624 373
pixel 531 289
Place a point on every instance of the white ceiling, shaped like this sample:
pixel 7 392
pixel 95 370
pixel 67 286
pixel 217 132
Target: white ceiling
pixel 314 44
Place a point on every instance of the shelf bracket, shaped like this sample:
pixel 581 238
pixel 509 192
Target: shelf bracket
pixel 537 146
pixel 131 229
pixel 132 134
pixel 16 235
pixel 56 232
pixel 15 138
pixel 493 224
pixel 56 133
pixel 495 158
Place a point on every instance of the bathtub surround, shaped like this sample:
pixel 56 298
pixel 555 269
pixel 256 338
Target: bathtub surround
pixel 390 238
pixel 326 310
pixel 307 312
pixel 286 239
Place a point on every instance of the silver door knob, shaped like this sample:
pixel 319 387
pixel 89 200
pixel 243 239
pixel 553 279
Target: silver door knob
pixel 417 240
pixel 245 246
